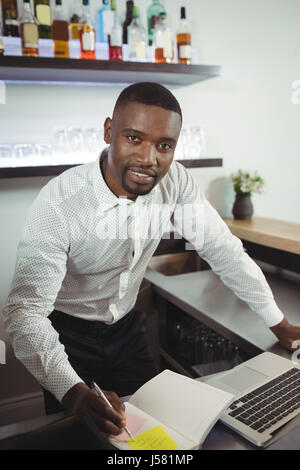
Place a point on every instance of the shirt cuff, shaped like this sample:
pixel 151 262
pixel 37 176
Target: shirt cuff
pixel 271 315
pixel 61 380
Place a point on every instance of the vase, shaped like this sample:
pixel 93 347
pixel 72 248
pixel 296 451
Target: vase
pixel 242 207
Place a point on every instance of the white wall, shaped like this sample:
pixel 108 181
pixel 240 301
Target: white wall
pixel 247 112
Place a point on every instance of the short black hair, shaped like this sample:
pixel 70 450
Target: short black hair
pixel 149 93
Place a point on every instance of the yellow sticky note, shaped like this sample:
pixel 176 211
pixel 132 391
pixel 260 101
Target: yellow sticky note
pixel 153 439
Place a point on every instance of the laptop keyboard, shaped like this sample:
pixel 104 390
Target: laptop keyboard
pixel 270 403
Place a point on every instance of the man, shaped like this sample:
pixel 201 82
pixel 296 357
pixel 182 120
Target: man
pixel 69 313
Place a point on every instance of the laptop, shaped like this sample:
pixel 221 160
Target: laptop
pixel 267 390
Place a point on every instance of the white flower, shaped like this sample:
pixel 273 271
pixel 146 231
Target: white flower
pixel 257 187
pixel 246 187
pixel 244 182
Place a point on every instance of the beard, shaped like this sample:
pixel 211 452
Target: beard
pixel 136 189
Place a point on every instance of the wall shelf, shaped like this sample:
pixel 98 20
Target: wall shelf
pixel 54 170
pixel 44 69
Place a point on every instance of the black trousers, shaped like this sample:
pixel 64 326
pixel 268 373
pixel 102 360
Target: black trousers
pixel 115 356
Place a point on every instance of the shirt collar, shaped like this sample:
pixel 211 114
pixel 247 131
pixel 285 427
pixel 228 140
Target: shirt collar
pixel 106 197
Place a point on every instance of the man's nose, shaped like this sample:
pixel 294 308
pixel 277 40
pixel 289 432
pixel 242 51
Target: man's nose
pixel 147 155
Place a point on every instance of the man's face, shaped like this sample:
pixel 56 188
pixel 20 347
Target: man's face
pixel 142 142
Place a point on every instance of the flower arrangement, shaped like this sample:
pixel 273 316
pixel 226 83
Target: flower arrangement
pixel 244 183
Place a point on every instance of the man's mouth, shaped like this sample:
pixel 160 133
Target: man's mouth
pixel 140 176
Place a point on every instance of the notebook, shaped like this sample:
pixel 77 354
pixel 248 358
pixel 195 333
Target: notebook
pixel 178 412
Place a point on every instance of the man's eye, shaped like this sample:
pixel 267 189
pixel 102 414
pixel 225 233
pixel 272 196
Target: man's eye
pixel 165 146
pixel 132 138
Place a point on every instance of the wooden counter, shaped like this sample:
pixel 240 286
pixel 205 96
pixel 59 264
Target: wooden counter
pixel 284 236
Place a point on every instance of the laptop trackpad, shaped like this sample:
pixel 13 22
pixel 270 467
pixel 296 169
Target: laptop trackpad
pixel 243 379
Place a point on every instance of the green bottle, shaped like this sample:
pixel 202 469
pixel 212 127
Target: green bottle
pixel 153 12
pixel 42 13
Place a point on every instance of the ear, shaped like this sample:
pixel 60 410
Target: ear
pixel 107 130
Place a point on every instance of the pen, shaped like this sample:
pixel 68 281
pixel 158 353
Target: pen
pixel 101 394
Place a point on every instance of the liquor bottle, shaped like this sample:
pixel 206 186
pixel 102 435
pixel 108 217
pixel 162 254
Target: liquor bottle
pixel 163 41
pixel 10 18
pixel 136 38
pixel 87 33
pixel 76 14
pixel 60 31
pixel 115 37
pixel 43 15
pixel 29 32
pixel 105 21
pixel 154 10
pixel 1 40
pixel 183 37
pixel 128 20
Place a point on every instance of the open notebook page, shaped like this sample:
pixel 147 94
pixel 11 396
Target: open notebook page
pixel 188 406
pixel 183 443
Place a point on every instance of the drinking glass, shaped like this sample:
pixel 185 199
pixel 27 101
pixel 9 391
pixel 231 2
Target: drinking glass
pixel 6 156
pixel 187 346
pixel 236 356
pixel 185 143
pixel 76 140
pixel 175 333
pixel 44 154
pixel 196 142
pixel 77 144
pixel 24 154
pixel 94 140
pixel 60 146
pixel 200 349
pixel 179 151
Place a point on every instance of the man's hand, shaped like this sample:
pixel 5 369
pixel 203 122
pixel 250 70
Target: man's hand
pixel 81 398
pixel 286 333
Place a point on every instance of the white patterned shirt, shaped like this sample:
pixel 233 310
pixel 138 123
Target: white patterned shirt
pixel 84 252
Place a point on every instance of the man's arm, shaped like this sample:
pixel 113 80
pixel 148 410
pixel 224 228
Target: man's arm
pixel 40 269
pixel 204 228
pixel 39 272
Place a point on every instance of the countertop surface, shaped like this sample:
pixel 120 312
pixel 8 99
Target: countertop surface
pixel 268 232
